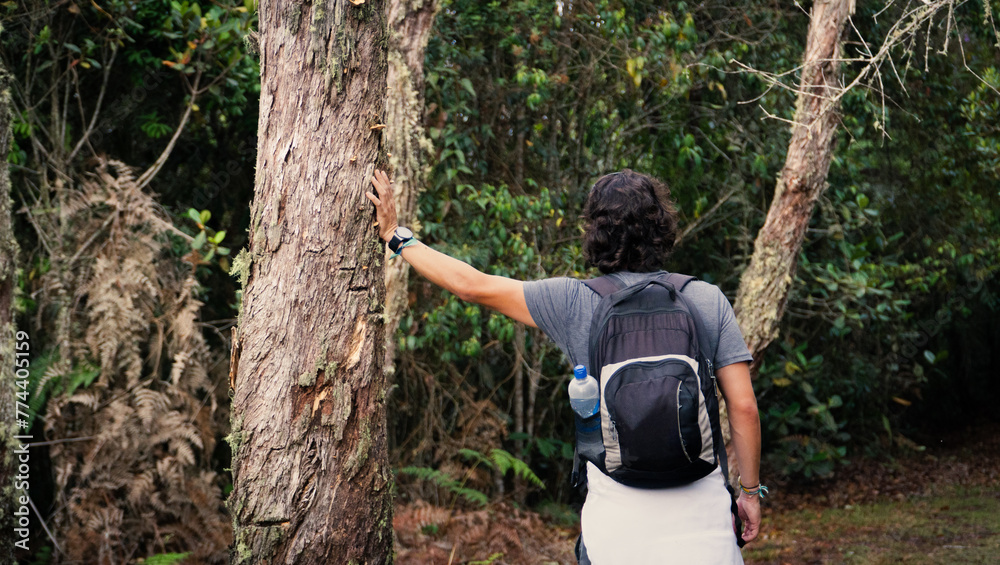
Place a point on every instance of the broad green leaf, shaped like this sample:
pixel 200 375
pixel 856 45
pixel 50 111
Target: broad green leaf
pixel 199 241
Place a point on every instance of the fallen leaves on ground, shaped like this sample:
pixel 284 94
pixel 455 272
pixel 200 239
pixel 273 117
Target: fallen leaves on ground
pixel 504 534
pixel 499 534
pixel 923 507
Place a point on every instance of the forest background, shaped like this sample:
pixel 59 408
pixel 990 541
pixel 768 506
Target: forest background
pixel 132 169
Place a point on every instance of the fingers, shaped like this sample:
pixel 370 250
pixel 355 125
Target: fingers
pixel 380 180
pixel 375 200
pixel 377 183
pixel 749 511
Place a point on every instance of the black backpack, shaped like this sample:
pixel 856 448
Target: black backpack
pixel 659 412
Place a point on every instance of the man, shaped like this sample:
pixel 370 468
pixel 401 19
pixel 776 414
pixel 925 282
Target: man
pixel 630 230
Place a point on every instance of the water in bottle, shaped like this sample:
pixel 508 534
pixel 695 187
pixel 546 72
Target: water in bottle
pixel 584 395
pixel 585 399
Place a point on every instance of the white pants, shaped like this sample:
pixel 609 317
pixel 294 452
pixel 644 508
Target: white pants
pixel 690 524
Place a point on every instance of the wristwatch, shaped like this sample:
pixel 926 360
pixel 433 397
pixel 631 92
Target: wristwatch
pixel 399 237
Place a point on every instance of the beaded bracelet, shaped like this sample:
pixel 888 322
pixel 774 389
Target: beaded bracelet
pixel 404 245
pixel 759 490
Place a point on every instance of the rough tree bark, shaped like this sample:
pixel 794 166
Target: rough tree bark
pixel 763 291
pixel 311 481
pixel 8 278
pixel 410 24
pixel 764 285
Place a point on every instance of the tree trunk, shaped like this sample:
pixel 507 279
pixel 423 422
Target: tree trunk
pixel 311 482
pixel 763 292
pixel 410 22
pixel 9 462
pixel 764 285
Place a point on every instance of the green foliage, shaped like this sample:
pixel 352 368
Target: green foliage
pixel 904 242
pixel 49 376
pixel 137 68
pixel 981 110
pixel 447 483
pixel 206 242
pixel 500 238
pixel 43 556
pixel 151 126
pixel 548 448
pixel 502 462
pixel 806 423
pixel 497 461
pixel 526 106
pixel 493 558
pixel 164 559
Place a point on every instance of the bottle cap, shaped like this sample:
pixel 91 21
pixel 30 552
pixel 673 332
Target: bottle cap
pixel 580 372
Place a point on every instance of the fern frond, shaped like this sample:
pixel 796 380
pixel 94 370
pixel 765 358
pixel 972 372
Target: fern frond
pixel 89 398
pixel 183 452
pixel 502 462
pixel 149 404
pixel 505 461
pixel 126 303
pixel 180 363
pixel 478 457
pixel 444 481
pixel 140 487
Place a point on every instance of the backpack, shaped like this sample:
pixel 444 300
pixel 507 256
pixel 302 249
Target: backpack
pixel 659 410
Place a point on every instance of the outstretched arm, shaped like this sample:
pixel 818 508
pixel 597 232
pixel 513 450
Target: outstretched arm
pixel 461 279
pixel 744 422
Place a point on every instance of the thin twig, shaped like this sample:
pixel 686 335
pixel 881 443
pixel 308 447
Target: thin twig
pixel 93 236
pixel 695 224
pixel 44 525
pixel 151 172
pixel 57 441
pixel 97 107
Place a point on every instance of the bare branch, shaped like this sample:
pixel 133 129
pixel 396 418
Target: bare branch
pixel 916 17
pixel 151 172
pixel 45 526
pixel 97 106
pixel 691 227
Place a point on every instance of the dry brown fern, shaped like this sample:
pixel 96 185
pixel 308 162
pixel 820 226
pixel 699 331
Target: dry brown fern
pixel 120 299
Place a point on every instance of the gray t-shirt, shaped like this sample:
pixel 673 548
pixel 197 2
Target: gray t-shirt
pixel 563 308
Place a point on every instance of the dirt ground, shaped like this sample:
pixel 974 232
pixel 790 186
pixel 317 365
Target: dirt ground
pixel 503 534
pixel 500 534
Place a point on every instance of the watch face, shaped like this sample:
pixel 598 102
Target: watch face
pixel 403 233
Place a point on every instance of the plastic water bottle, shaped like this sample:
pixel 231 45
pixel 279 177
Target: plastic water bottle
pixel 585 398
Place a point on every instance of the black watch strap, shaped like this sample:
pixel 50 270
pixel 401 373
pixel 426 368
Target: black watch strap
pixel 399 237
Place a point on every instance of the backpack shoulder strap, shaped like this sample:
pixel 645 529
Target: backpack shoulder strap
pixel 680 281
pixel 605 286
pixel 609 284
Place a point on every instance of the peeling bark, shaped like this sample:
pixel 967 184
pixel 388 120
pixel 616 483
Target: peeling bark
pixel 764 286
pixel 310 472
pixel 410 23
pixel 8 279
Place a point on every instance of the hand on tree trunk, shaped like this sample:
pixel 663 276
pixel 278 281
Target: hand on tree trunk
pixel 385 207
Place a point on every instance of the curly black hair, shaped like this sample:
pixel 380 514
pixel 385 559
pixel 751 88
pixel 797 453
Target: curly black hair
pixel 630 223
